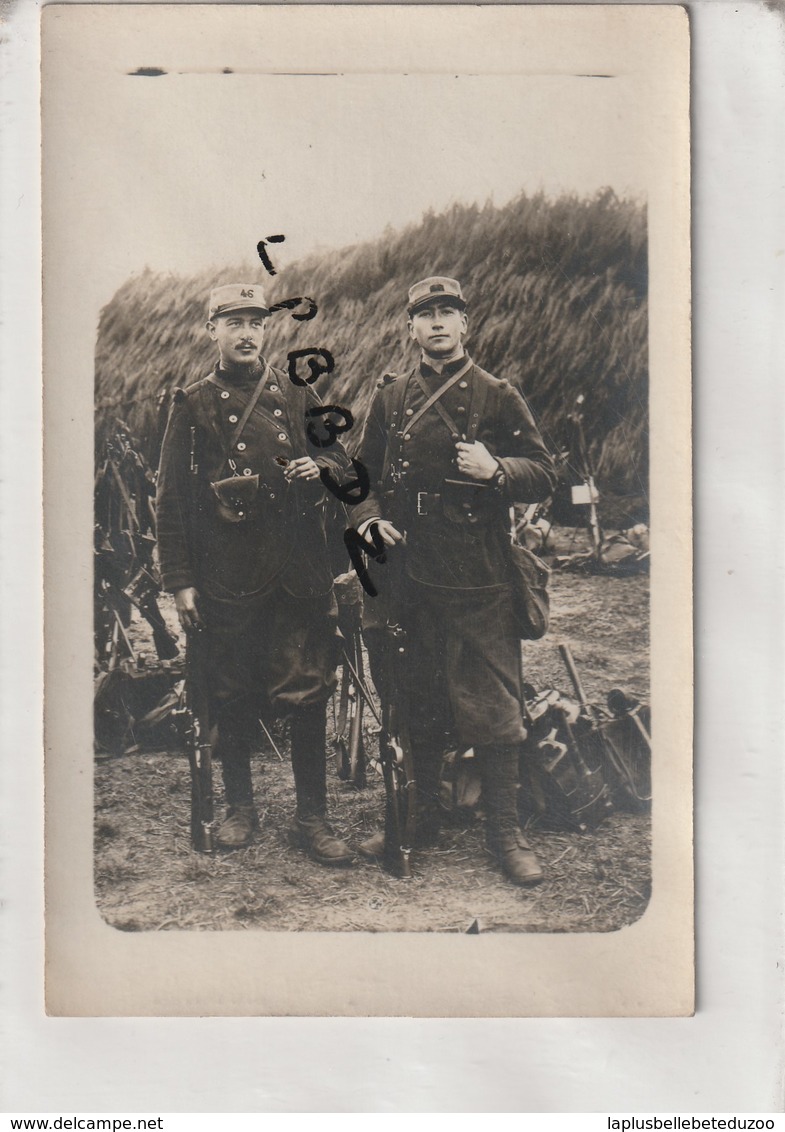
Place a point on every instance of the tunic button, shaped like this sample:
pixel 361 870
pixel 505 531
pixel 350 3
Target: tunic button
pixel 461 409
pixel 225 395
pixel 247 472
pixel 273 388
pixel 282 436
pixel 277 412
pixel 232 418
pixel 408 436
pixel 405 464
pixel 410 412
pixel 241 446
pixel 272 495
pixel 463 384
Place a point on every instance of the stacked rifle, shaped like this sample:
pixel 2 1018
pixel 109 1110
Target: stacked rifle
pixel 622 553
pixel 134 693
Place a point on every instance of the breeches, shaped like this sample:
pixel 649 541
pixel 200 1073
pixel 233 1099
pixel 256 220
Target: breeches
pixel 273 653
pixel 463 667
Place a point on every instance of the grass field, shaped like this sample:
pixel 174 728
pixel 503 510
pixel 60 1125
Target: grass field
pixel 558 305
pixel 147 877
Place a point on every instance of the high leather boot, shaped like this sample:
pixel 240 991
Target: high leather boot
pixel 310 828
pixel 233 747
pixel 499 770
pixel 427 774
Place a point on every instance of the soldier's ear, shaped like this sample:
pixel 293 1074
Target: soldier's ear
pixel 410 324
pixel 464 321
pixel 210 326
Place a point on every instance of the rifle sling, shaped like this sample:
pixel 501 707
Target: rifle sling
pixel 432 399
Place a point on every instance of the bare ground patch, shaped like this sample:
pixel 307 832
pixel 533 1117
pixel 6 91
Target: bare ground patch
pixel 147 877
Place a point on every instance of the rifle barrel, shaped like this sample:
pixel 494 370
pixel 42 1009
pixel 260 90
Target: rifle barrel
pixel 572 672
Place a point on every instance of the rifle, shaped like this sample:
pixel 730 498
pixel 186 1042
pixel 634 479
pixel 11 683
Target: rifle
pixel 351 754
pixel 197 739
pixel 395 749
pixel 585 493
pixel 143 591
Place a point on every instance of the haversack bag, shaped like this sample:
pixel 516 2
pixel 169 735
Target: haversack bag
pixel 531 603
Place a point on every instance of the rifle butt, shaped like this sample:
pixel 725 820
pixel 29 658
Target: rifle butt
pixel 202 814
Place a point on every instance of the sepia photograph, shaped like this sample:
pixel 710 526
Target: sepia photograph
pixel 379 366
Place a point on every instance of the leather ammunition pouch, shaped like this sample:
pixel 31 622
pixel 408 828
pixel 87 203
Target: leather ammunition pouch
pixel 469 502
pixel 236 497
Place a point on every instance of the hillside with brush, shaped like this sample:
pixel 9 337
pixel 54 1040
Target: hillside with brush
pixel 557 293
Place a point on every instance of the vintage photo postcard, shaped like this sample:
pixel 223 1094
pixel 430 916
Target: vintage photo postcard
pixel 368 510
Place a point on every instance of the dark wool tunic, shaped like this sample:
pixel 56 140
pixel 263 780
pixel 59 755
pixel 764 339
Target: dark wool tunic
pixel 283 539
pixel 451 550
pixel 464 651
pixel 264 584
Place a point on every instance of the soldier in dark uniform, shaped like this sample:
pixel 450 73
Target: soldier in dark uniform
pixel 242 547
pixel 462 446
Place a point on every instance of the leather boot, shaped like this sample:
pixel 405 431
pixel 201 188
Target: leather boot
pixel 237 829
pixel 233 748
pixel 429 815
pixel 499 769
pixel 310 828
pixel 427 773
pixel 317 837
pixel 517 858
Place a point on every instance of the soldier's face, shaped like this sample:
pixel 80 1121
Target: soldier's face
pixel 239 335
pixel 439 329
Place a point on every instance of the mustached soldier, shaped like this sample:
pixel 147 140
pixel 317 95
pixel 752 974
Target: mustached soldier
pixel 242 547
pixel 462 446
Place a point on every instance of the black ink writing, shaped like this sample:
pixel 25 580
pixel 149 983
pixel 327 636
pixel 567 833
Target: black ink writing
pixel 320 363
pixel 315 367
pixel 357 546
pixel 262 250
pixel 293 304
pixel 331 429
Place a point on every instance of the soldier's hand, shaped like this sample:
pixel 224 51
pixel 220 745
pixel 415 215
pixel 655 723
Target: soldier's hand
pixel 303 468
pixel 475 460
pixel 390 535
pixel 185 601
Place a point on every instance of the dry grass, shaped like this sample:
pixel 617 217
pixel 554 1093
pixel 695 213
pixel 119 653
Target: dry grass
pixel 148 878
pixel 558 306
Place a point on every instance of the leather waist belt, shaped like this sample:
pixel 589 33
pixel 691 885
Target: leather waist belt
pixel 426 502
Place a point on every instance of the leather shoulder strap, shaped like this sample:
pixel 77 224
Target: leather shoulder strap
pixel 476 407
pixel 433 399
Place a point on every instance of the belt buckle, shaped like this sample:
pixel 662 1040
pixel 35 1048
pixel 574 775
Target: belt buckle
pixel 421 509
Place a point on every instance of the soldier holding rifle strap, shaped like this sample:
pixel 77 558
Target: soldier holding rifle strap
pixel 450 448
pixel 242 546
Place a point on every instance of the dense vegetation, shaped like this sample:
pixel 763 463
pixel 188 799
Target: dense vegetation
pixel 558 305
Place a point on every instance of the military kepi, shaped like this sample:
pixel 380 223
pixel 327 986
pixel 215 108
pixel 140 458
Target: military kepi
pixel 438 288
pixel 236 297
